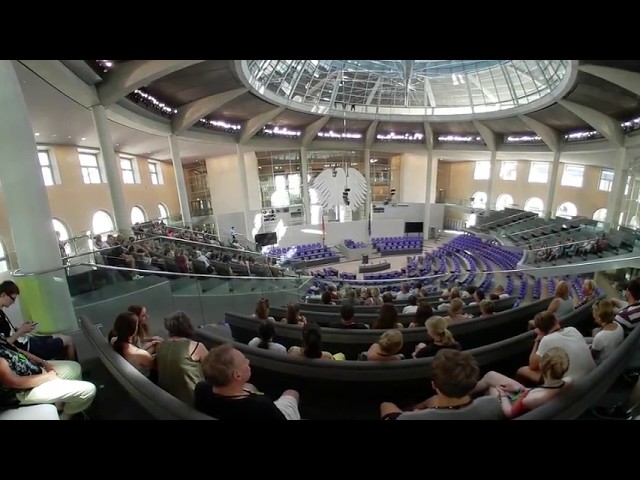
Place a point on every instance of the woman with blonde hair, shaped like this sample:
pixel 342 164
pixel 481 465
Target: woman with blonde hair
pixel 611 333
pixel 387 347
pixel 588 292
pixel 441 338
pixel 374 298
pixel 561 305
pixel 517 399
pixel 455 311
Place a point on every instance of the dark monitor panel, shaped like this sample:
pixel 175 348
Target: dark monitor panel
pixel 264 239
pixel 414 227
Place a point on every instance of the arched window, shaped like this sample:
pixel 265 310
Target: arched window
pixel 280 198
pixel 164 211
pixel 479 200
pixel 503 201
pixel 535 205
pixel 138 215
pixel 566 209
pixel 633 223
pixel 4 263
pixel 63 232
pixel 102 222
pixel 600 214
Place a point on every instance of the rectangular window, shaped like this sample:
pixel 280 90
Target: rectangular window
pixel 128 175
pixel 539 172
pixel 606 180
pixel 508 170
pixel 46 167
pixel 572 175
pixel 482 170
pixel 156 174
pixel 89 167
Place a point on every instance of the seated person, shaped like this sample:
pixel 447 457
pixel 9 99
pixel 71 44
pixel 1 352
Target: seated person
pixel 454 375
pixel 388 318
pixel 424 313
pixel 293 315
pixel 413 305
pixel 588 292
pixel 517 399
pixel 124 331
pixel 26 379
pixel 441 338
pixel 312 345
pixel 610 334
pixel 387 347
pixel 500 292
pixel 550 334
pixel 143 339
pixel 486 308
pixel 266 332
pixel 455 312
pixel 47 347
pixel 347 313
pixel 326 298
pixel 226 395
pixel 179 358
pixel 262 310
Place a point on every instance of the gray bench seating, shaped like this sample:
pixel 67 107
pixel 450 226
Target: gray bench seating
pixel 471 333
pixel 30 412
pixel 159 404
pixel 589 389
pixel 333 317
pixel 320 307
pixel 357 387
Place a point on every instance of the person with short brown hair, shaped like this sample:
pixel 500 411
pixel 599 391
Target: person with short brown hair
pixel 454 375
pixel 226 395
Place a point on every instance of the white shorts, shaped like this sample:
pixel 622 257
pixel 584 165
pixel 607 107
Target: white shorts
pixel 289 407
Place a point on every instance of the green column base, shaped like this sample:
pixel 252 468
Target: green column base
pixel 45 299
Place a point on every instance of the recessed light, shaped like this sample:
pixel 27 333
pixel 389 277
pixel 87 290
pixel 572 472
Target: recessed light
pixel 37 134
pixel 53 135
pixel 83 138
pixel 69 136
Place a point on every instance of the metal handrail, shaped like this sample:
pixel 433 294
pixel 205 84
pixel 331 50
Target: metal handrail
pixel 19 273
pixel 505 218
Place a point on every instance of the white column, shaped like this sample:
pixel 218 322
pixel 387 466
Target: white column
pixel 617 189
pixel 430 192
pixel 367 176
pixel 304 184
pixel 112 170
pixel 183 198
pixel 242 168
pixel 44 298
pixel 492 179
pixel 553 180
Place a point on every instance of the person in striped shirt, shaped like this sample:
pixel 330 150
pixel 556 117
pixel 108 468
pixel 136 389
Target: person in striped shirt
pixel 629 316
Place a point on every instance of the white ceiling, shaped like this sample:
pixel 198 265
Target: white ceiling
pixel 58 120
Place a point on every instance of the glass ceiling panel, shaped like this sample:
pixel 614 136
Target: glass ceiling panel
pixel 406 87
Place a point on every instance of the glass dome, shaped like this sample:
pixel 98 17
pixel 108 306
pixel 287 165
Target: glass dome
pixel 428 88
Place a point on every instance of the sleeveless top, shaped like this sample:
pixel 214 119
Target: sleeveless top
pixel 19 365
pixel 565 308
pixel 178 373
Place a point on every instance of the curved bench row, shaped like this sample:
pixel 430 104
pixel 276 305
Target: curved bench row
pixel 333 317
pixel 159 404
pixel 355 388
pixel 470 334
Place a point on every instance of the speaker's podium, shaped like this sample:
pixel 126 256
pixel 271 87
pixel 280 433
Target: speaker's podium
pixel 365 259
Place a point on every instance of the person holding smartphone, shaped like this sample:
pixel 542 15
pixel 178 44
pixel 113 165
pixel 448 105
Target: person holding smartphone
pixel 47 347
